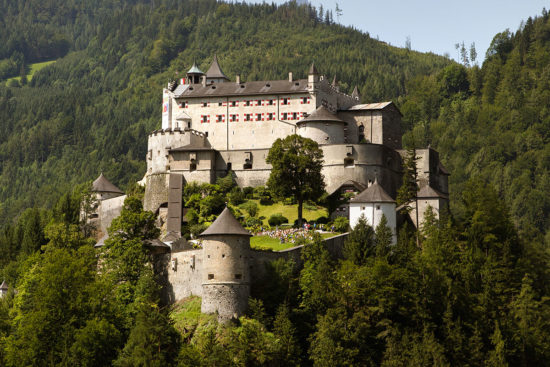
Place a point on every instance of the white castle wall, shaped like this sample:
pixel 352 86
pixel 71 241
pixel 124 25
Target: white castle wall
pixel 108 210
pixel 373 215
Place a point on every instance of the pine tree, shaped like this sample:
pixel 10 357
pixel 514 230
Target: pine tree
pixel 383 237
pixel 360 245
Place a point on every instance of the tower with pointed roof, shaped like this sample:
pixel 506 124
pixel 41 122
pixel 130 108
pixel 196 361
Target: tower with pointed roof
pixel 215 73
pixel 226 274
pixel 372 203
pixel 194 74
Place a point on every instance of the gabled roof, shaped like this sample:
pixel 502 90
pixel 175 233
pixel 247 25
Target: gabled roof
pixel 429 192
pixel 4 286
pixel 215 71
pixel 373 194
pixel 195 69
pixel 226 223
pixel 101 184
pixel 244 89
pixel 442 169
pixel 374 106
pixel 321 114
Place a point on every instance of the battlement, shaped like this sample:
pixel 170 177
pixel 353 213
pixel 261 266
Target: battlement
pixel 177 130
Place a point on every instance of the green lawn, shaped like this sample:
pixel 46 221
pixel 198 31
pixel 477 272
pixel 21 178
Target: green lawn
pixel 288 211
pixel 33 69
pixel 187 315
pixel 266 242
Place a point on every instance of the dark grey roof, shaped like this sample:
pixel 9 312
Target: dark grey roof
pixel 321 114
pixel 171 236
pixel 226 223
pixel 156 243
pixel 101 184
pixel 4 286
pixel 429 192
pixel 313 69
pixel 373 194
pixel 101 241
pixel 215 71
pixel 245 89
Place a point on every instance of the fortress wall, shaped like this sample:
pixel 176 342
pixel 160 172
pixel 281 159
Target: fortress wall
pixel 392 128
pixel 228 300
pixel 186 278
pixel 158 145
pixel 370 161
pixel 226 259
pixel 238 135
pixel 255 176
pixel 156 192
pixel 110 209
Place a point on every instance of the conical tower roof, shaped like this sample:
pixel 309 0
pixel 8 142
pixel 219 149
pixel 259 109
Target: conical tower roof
pixel 101 184
pixel 321 114
pixel 195 69
pixel 215 71
pixel 373 194
pixel 226 224
pixel 313 69
pixel 355 93
pixel 4 286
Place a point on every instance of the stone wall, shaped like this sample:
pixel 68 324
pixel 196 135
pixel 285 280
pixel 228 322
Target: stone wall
pixel 108 210
pixel 184 272
pixel 228 300
pixel 156 191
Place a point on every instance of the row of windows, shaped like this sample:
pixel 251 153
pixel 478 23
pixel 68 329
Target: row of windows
pixel 247 103
pixel 254 117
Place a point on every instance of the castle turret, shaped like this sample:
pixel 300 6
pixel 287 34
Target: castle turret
pixel 104 189
pixel 194 74
pixel 322 126
pixel 215 73
pixel 226 276
pixel 372 203
pixel 312 78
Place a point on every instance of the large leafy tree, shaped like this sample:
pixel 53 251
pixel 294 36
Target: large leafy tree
pixel 297 164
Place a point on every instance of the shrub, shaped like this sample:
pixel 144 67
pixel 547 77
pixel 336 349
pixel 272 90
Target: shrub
pixel 341 224
pixel 251 222
pixel 277 220
pixel 197 229
pixel 236 196
pixel 250 207
pixel 248 192
pixel 289 201
pixel 321 220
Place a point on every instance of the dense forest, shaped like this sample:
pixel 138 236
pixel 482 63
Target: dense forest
pixel 473 291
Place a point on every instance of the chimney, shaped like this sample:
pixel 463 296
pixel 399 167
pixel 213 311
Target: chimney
pixel 290 76
pixel 204 80
pixel 238 79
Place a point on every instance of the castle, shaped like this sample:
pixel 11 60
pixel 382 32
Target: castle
pixel 212 125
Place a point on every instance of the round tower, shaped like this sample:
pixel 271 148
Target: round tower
pixel 322 126
pixel 226 275
pixel 104 189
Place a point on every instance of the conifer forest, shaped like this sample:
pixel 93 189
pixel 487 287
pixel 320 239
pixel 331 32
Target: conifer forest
pixel 472 288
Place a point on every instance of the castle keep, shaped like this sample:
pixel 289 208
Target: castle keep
pixel 212 125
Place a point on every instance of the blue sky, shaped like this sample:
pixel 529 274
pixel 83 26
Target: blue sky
pixel 435 25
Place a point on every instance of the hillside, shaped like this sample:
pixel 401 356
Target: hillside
pixel 91 110
pixel 493 123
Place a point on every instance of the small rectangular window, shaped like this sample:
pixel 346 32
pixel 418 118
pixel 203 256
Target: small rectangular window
pixel 271 102
pixel 258 117
pixel 286 101
pixel 233 118
pixel 270 116
pixel 219 118
pixel 204 118
pixel 305 100
pixel 247 117
pixel 220 103
pixel 258 102
pixel 247 103
pixel 285 115
pixel 294 116
pixel 378 207
pixel 238 276
pixel 205 104
pixel 233 103
pixel 210 276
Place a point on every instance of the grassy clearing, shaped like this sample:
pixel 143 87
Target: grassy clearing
pixel 266 242
pixel 288 211
pixel 33 69
pixel 187 315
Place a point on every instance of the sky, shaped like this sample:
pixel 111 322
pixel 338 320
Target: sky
pixel 434 25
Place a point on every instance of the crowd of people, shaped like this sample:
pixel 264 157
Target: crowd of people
pixel 291 235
